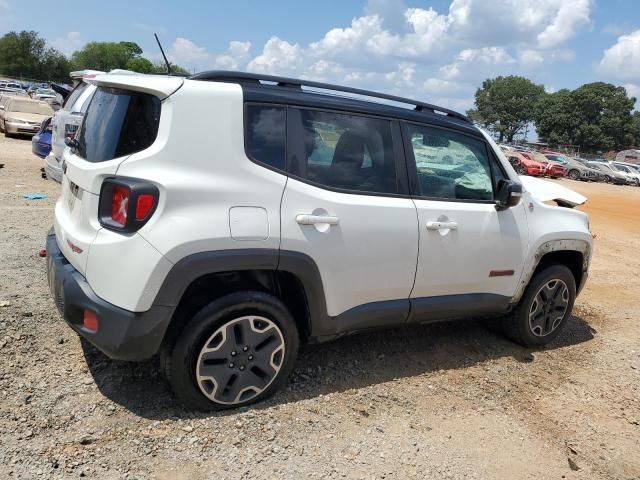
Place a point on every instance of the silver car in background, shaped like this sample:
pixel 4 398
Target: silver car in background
pixel 67 119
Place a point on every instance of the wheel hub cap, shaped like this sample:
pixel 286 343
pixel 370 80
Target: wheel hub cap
pixel 548 308
pixel 240 360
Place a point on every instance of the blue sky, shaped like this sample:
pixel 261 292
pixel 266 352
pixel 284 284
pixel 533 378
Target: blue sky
pixel 435 50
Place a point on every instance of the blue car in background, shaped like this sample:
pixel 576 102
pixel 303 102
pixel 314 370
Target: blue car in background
pixel 41 141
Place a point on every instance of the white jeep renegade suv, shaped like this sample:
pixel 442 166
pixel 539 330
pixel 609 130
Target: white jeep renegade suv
pixel 222 219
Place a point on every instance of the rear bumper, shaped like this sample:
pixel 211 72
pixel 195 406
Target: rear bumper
pixel 121 334
pixel 52 168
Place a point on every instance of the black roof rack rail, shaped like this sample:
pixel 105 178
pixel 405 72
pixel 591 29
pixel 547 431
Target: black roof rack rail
pixel 242 77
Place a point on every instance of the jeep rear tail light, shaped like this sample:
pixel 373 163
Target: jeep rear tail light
pixel 119 204
pixel 126 204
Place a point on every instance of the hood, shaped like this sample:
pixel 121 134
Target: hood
pixel 545 191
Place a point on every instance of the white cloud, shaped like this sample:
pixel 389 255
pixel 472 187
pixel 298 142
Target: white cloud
pixel 185 53
pixel 548 23
pixel 530 57
pixel 622 60
pixel 419 52
pixel 278 57
pixel 68 44
pixel 235 57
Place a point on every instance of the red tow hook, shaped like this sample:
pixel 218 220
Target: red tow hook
pixel 42 252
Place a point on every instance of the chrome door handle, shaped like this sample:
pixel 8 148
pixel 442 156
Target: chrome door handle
pixel 442 225
pixel 306 219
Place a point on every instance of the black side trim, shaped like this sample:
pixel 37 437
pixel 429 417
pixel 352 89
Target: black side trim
pixel 371 315
pixel 433 309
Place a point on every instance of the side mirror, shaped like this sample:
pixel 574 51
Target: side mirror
pixel 508 195
pixel 1 107
pixel 72 143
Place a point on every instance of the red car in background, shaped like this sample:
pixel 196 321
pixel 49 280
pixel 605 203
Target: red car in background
pixel 524 165
pixel 557 165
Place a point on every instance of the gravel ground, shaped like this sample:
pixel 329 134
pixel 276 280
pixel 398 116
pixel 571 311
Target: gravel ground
pixel 450 400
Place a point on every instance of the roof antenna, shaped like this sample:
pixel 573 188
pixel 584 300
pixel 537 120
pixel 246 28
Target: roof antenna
pixel 163 55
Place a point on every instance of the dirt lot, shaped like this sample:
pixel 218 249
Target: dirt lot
pixel 441 401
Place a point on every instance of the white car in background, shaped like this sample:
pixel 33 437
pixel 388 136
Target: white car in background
pixel 65 122
pixel 630 171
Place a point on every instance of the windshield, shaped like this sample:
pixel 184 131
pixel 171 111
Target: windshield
pixel 26 106
pixel 45 91
pixel 118 123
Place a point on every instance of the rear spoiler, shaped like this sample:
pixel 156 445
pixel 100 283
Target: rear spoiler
pixel 159 85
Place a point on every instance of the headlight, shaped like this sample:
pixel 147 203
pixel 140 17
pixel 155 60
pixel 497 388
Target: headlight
pixel 15 120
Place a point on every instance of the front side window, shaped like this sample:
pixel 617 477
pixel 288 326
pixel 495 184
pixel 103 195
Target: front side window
pixel 348 152
pixel 118 123
pixel 265 135
pixel 450 165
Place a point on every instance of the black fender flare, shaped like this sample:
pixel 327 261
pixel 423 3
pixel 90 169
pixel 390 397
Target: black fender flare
pixel 303 267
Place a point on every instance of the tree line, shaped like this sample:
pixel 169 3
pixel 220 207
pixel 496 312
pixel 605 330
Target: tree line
pixel 26 55
pixel 597 117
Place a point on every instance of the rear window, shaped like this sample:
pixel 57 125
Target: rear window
pixel 118 123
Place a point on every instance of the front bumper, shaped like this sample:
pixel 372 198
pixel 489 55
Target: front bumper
pixel 21 128
pixel 121 334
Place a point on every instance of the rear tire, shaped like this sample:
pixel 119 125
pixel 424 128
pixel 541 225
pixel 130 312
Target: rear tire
pixel 237 350
pixel 520 170
pixel 607 179
pixel 543 309
pixel 574 175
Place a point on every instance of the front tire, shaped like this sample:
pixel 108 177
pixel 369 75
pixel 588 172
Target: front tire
pixel 543 309
pixel 237 350
pixel 520 169
pixel 574 175
pixel 607 179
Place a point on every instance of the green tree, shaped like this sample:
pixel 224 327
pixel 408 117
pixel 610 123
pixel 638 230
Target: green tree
pixel 105 55
pixel 140 64
pixel 25 55
pixel 597 116
pixel 161 67
pixel 505 105
pixel 635 129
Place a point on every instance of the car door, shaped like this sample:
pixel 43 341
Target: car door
pixel 346 206
pixel 471 255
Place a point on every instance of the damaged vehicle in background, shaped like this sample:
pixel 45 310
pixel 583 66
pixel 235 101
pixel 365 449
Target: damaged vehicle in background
pixel 578 170
pixel 632 175
pixel 610 175
pixel 557 166
pixel 523 165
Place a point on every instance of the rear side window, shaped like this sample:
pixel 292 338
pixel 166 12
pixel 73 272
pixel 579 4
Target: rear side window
pixel 265 135
pixel 74 95
pixel 347 152
pixel 118 123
